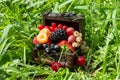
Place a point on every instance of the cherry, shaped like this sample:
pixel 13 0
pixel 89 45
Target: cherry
pixel 55 66
pixel 53 24
pixel 80 61
pixel 69 31
pixel 40 27
pixel 56 28
pixel 64 27
pixel 52 29
pixel 59 26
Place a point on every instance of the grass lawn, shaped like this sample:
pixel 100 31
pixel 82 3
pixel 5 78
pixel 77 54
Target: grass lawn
pixel 18 26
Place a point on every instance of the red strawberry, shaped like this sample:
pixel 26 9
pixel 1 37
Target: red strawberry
pixel 40 27
pixel 80 61
pixel 61 43
pixel 59 26
pixel 72 49
pixel 53 24
pixel 55 66
pixel 35 41
pixel 52 29
pixel 64 27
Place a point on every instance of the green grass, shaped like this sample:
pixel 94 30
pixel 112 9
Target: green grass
pixel 18 26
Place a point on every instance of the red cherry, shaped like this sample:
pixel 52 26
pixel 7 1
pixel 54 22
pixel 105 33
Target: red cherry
pixel 59 26
pixel 55 66
pixel 40 27
pixel 35 41
pixel 53 24
pixel 56 28
pixel 80 61
pixel 71 39
pixel 52 29
pixel 69 31
pixel 64 27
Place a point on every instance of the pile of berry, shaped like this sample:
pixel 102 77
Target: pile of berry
pixel 51 40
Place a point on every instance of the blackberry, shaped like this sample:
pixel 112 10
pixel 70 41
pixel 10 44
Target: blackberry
pixel 58 35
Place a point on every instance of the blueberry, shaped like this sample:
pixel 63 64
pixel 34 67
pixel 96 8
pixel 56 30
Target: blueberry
pixel 57 48
pixel 39 46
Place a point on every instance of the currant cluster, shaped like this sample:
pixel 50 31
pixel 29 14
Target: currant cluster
pixel 48 48
pixel 58 35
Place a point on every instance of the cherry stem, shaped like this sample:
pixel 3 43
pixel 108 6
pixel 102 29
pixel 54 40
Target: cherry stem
pixel 60 55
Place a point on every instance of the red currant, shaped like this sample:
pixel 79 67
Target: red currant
pixel 80 61
pixel 55 66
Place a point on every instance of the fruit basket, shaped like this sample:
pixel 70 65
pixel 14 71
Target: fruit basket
pixel 60 40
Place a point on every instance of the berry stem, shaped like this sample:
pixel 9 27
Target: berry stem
pixel 60 55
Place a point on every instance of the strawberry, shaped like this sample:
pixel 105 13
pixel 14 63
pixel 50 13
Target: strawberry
pixel 35 41
pixel 72 49
pixel 61 43
pixel 40 27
